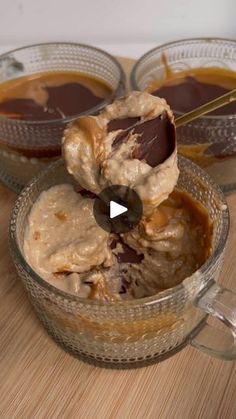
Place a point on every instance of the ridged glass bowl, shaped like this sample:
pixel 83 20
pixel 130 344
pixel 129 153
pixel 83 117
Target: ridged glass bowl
pixel 138 332
pixel 213 137
pixel 16 169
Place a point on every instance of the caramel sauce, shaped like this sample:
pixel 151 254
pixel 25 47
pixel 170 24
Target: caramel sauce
pixel 196 152
pixel 62 216
pixel 198 216
pixel 180 205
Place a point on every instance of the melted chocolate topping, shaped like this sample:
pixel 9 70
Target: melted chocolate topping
pixel 190 93
pixel 63 101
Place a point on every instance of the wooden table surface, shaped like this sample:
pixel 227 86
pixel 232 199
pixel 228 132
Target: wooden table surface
pixel 39 380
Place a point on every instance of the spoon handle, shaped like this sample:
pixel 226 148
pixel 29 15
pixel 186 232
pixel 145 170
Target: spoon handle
pixel 206 108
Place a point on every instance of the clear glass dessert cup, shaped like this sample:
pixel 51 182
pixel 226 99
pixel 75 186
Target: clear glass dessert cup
pixel 138 332
pixel 214 135
pixel 16 169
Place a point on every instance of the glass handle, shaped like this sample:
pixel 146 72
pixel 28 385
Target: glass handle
pixel 220 303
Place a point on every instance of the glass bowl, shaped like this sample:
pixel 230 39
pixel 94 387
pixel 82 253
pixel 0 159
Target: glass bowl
pixel 138 332
pixel 214 137
pixel 18 167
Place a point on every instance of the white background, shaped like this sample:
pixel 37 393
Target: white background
pixel 122 27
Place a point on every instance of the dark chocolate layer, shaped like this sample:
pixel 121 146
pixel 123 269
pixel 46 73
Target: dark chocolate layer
pixel 66 100
pixel 190 93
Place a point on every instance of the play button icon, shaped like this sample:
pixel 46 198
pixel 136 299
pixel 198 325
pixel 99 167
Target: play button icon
pixel 117 209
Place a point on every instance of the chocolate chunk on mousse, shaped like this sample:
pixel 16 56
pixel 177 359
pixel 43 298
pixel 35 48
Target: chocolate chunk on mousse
pixel 122 123
pixel 156 141
pixel 128 255
pixel 87 194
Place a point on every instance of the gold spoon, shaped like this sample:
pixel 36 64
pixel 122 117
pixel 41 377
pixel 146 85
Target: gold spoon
pixel 206 108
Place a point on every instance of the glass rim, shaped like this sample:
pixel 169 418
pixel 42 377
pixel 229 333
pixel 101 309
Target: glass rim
pixel 19 258
pixel 94 109
pixel 183 41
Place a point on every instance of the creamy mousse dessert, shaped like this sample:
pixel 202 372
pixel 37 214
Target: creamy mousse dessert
pixel 132 143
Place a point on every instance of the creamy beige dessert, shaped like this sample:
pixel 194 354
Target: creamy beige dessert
pixel 175 241
pixel 63 242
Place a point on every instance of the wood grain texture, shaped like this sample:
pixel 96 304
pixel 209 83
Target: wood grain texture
pixel 39 380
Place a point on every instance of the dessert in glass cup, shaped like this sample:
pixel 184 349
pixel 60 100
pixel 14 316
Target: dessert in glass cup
pixel 133 298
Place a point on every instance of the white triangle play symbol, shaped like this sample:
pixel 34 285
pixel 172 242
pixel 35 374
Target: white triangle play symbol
pixel 116 209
